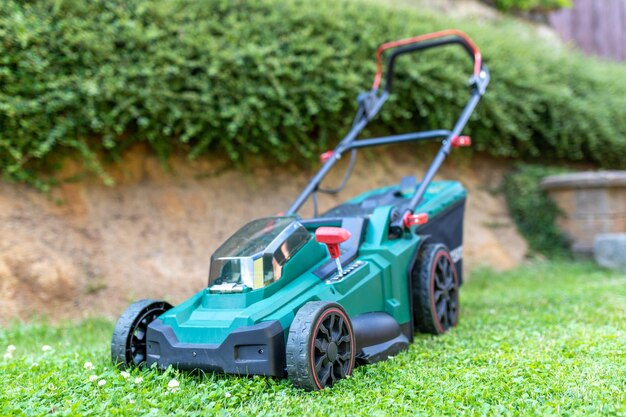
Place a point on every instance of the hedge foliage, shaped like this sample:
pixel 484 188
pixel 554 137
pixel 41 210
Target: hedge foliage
pixel 530 5
pixel 534 213
pixel 279 78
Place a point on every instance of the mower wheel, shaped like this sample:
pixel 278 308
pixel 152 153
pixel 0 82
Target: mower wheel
pixel 128 345
pixel 435 290
pixel 320 346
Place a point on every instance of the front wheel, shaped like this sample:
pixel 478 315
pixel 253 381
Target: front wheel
pixel 320 346
pixel 435 290
pixel 128 345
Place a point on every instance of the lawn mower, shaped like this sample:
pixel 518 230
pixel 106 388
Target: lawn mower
pixel 312 298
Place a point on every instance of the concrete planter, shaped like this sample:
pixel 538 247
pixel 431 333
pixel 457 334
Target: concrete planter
pixel 593 203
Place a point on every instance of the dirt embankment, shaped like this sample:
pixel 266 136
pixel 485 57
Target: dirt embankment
pixel 152 235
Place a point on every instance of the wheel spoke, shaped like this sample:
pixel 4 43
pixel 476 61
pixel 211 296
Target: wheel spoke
pixel 139 333
pixel 452 312
pixel 325 331
pixel 138 358
pixel 442 312
pixel 438 295
pixel 343 339
pixel 342 369
pixel 441 264
pixel 139 344
pixel 331 327
pixel 321 345
pixel 439 280
pixel 332 374
pixel 448 270
pixel 327 371
pixel 340 325
pixel 345 356
pixel 447 317
pixel 319 362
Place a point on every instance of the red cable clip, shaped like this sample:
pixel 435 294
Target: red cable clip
pixel 414 219
pixel 461 141
pixel 326 156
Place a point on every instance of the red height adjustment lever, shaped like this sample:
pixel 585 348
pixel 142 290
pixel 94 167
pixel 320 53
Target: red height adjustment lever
pixel 332 237
pixel 413 219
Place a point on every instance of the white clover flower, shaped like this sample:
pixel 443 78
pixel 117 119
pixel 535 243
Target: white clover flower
pixel 8 355
pixel 34 365
pixel 101 382
pixel 92 378
pixel 46 348
pixel 228 394
pixel 88 366
pixel 131 401
pixel 125 374
pixel 173 385
pixel 138 380
pixel 11 348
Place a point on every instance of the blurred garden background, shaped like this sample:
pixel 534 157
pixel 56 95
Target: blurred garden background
pixel 137 135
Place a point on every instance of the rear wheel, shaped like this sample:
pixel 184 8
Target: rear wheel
pixel 320 347
pixel 128 345
pixel 435 290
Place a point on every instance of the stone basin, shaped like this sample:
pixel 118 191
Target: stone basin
pixel 593 203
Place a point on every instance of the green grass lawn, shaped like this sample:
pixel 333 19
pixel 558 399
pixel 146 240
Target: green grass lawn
pixel 549 338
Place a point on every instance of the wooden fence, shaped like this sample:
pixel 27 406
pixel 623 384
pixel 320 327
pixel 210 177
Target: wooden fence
pixel 596 26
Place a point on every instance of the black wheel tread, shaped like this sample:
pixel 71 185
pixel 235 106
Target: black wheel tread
pixel 123 328
pixel 424 316
pixel 298 342
pixel 299 339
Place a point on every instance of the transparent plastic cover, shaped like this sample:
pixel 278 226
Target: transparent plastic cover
pixel 254 256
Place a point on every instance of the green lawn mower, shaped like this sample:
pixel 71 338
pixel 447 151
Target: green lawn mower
pixel 312 298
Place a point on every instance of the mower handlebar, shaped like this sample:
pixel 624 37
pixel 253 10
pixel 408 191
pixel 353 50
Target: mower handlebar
pixel 423 42
pixel 371 102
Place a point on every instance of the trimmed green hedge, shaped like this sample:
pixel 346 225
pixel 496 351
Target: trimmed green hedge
pixel 277 77
pixel 529 5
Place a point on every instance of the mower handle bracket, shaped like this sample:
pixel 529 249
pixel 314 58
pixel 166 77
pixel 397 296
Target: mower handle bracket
pixel 368 103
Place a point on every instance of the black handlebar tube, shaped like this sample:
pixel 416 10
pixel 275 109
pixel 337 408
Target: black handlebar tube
pixel 407 137
pixel 421 47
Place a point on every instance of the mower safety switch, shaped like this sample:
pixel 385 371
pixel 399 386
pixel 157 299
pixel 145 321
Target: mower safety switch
pixel 332 237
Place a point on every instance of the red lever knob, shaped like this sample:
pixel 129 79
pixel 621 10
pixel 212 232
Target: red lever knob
pixel 326 156
pixel 332 237
pixel 413 219
pixel 461 141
